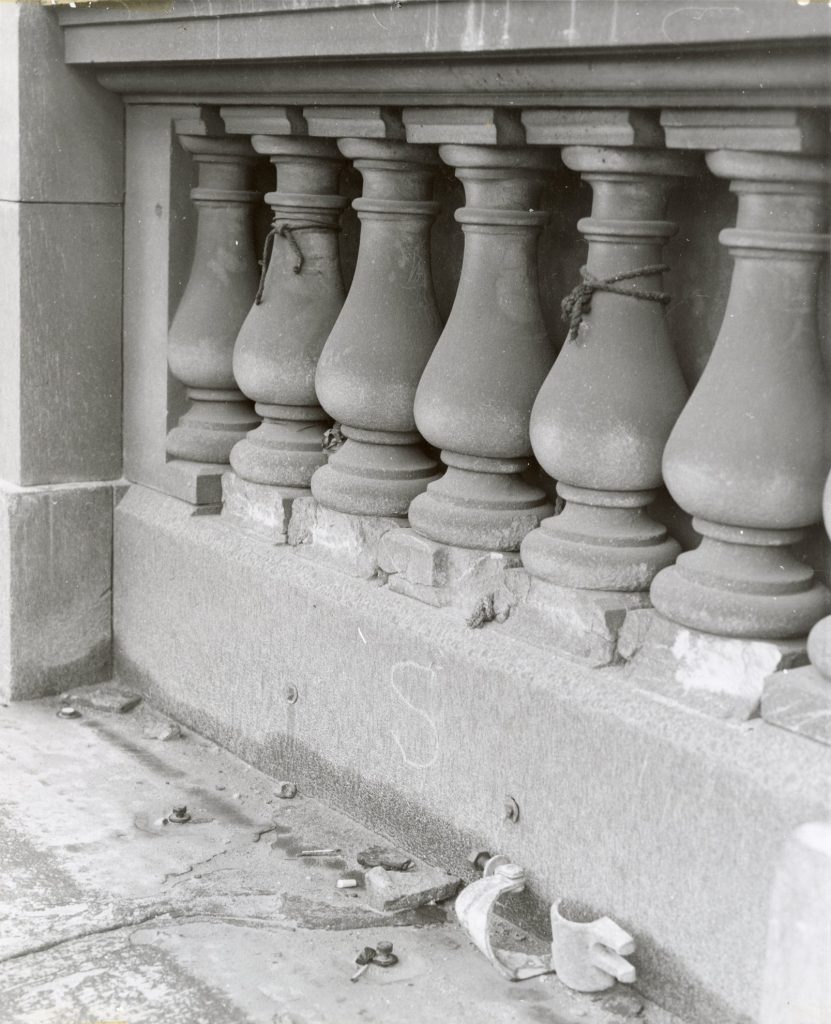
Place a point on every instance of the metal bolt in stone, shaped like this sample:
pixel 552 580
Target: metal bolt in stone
pixel 385 956
pixel 67 711
pixel 292 694
pixel 511 810
pixel 179 815
pixel 478 858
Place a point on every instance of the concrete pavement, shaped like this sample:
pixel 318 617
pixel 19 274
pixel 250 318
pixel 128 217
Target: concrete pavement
pixel 113 915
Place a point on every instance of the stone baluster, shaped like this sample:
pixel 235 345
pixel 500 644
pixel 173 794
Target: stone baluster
pixel 605 411
pixel 217 297
pixel 375 354
pixel 475 397
pixel 300 297
pixel 747 457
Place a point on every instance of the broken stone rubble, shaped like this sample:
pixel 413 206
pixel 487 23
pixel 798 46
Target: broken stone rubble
pixel 394 891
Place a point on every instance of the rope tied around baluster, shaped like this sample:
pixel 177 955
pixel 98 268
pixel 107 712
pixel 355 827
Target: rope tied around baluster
pixel 286 230
pixel 577 304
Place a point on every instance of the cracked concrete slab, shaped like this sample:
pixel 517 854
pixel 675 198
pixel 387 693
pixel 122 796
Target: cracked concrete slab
pixel 114 913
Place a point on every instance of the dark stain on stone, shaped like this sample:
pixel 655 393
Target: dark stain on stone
pixel 313 914
pixel 144 757
pixel 227 810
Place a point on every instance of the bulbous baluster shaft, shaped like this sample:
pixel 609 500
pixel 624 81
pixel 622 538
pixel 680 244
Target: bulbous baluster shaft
pixel 371 364
pixel 747 456
pixel 218 295
pixel 279 344
pixel 603 415
pixel 475 398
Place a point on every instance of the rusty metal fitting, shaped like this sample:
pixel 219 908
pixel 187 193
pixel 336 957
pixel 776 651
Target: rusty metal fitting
pixel 179 815
pixel 67 711
pixel 292 694
pixel 385 956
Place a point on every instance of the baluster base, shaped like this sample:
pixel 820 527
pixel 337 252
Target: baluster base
pixel 480 503
pixel 716 675
pixel 259 510
pixel 346 542
pixel 285 449
pixel 602 540
pixel 582 624
pixel 213 424
pixel 742 582
pixel 375 473
pixel 475 583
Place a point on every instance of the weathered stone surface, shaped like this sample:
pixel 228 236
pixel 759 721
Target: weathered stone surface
pixel 384 857
pixel 747 456
pixel 772 131
pixel 797 980
pixel 418 725
pixel 218 295
pixel 484 126
pixel 492 354
pixel 405 890
pixel 718 675
pixel 55 574
pixel 443 575
pixel 60 342
pixel 799 700
pixel 256 508
pixel 375 354
pixel 109 698
pixel 348 543
pixel 111 918
pixel 62 133
pixel 584 624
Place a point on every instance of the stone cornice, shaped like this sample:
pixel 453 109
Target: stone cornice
pixel 459 52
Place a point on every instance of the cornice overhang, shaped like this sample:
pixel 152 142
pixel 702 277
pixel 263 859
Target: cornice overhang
pixel 758 53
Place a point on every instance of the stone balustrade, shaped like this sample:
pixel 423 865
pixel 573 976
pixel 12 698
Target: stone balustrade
pixel 610 418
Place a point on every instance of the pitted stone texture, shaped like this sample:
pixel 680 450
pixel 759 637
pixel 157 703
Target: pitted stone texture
pixel 799 700
pixel 420 726
pixel 256 508
pixel 347 543
pixel 405 890
pixel 583 624
pixel 56 579
pixel 797 978
pixel 442 575
pixel 721 676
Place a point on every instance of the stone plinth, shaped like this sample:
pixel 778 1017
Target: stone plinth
pixel 345 542
pixel 442 575
pixel 257 509
pixel 721 676
pixel 411 722
pixel 799 700
pixel 583 624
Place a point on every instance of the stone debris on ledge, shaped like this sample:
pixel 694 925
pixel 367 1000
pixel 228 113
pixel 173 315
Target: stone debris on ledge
pixel 114 913
pixel 392 891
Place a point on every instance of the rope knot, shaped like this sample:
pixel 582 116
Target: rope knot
pixel 577 304
pixel 286 230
